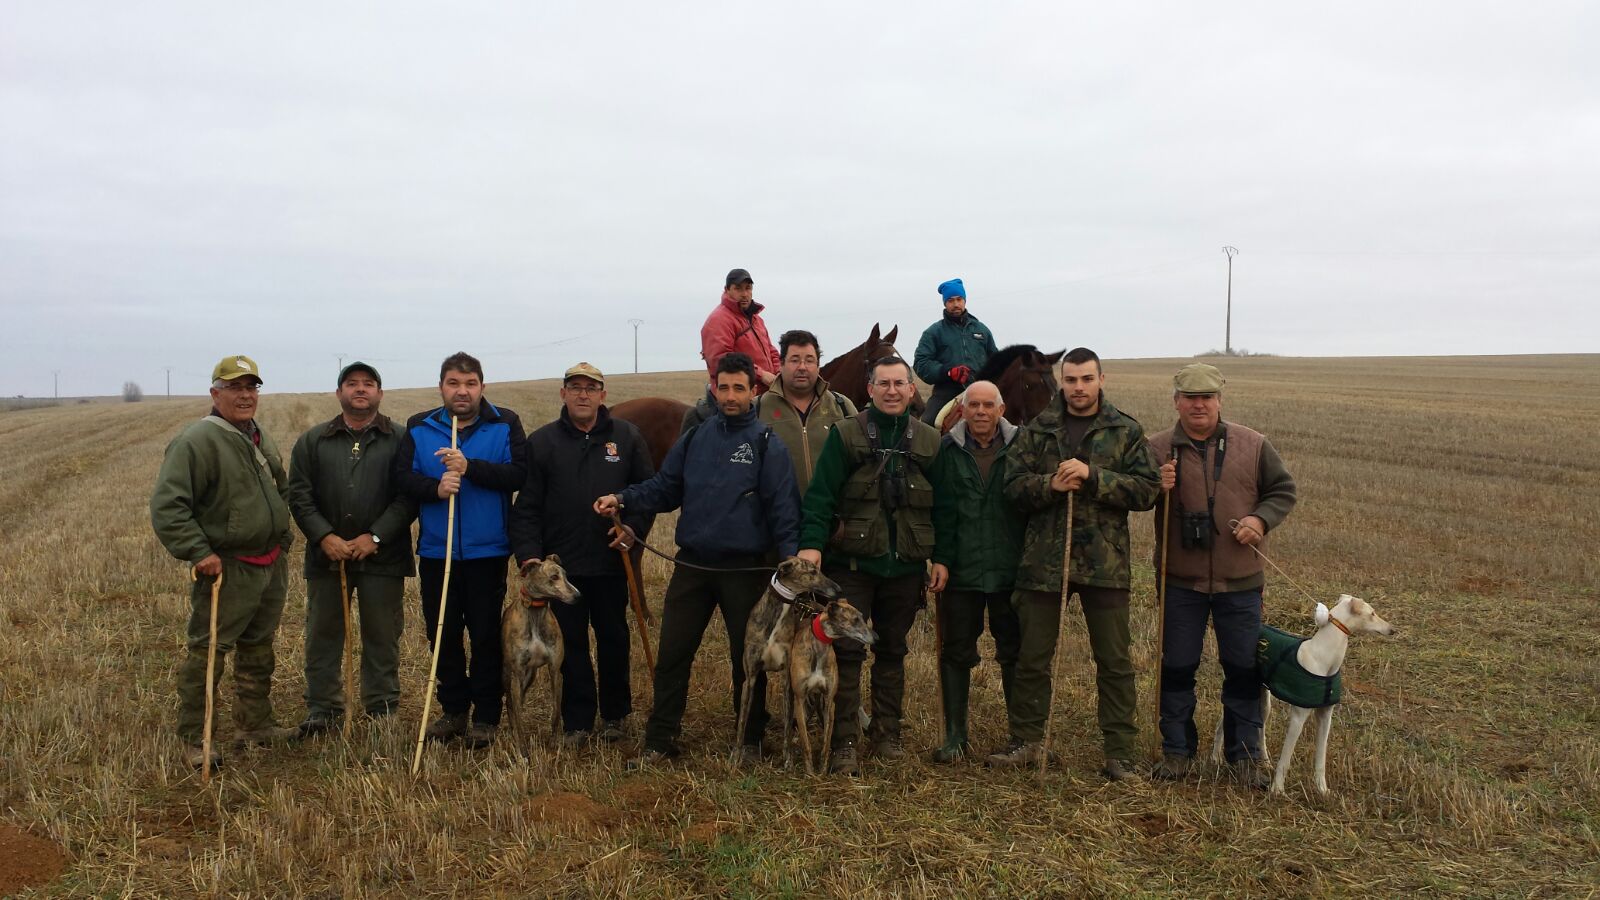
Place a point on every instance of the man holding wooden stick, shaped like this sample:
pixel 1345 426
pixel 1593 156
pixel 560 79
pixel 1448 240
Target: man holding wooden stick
pixel 343 497
pixel 581 455
pixel 219 505
pixel 1081 446
pixel 489 466
pixel 1223 472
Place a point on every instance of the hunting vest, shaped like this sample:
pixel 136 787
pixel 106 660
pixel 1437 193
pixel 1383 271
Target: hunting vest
pixel 1278 661
pixel 862 528
pixel 1236 495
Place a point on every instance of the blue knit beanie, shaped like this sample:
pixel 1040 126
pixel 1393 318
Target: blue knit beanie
pixel 951 288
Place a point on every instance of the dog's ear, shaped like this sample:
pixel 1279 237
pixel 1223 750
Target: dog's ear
pixel 1360 606
pixel 553 558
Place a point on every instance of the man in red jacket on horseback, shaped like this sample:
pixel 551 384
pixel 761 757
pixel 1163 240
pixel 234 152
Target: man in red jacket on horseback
pixel 736 326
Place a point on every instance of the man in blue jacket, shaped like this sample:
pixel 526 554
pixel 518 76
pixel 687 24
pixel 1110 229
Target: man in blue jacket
pixel 488 466
pixel 952 350
pixel 732 477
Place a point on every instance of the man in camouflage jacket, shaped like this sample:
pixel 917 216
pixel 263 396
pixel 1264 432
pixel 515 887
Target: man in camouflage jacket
pixel 1080 444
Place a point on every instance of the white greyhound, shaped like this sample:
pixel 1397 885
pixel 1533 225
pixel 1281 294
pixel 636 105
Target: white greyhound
pixel 1306 671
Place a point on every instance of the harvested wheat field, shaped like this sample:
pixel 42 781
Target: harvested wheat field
pixel 1460 496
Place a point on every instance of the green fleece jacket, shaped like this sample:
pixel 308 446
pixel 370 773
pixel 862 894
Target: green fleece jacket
pixel 824 494
pixel 218 492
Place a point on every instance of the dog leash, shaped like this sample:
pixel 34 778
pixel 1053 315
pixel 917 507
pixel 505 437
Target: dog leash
pixel 1234 523
pixel 678 562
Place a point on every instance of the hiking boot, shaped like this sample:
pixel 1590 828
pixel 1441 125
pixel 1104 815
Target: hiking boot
pixel 950 752
pixel 576 740
pixel 480 735
pixel 318 723
pixel 195 757
pixel 1017 752
pixel 653 756
pixel 1173 767
pixel 261 737
pixel 888 748
pixel 447 728
pixel 843 762
pixel 1252 773
pixel 1120 770
pixel 611 731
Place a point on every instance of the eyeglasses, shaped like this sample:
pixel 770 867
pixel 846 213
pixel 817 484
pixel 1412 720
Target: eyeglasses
pixel 885 385
pixel 585 391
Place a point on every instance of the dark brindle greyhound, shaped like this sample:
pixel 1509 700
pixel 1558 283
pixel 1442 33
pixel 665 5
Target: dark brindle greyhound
pixel 772 624
pixel 814 673
pixel 531 640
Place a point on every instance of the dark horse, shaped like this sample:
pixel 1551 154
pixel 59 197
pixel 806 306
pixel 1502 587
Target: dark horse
pixel 847 372
pixel 1026 379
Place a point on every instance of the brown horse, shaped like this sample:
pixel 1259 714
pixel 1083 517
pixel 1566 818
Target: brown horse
pixel 847 372
pixel 1026 379
pixel 657 418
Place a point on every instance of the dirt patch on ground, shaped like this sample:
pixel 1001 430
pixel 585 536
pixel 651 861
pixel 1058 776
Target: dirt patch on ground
pixel 707 832
pixel 563 808
pixel 1151 825
pixel 27 861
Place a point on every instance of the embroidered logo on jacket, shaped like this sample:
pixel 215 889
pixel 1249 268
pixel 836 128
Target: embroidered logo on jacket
pixel 611 452
pixel 744 454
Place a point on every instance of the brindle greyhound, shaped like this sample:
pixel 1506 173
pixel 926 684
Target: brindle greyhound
pixel 531 639
pixel 814 673
pixel 772 625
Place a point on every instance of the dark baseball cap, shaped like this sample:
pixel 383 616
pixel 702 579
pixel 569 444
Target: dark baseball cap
pixel 358 366
pixel 738 276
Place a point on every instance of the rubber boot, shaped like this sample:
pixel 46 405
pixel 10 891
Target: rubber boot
pixel 955 683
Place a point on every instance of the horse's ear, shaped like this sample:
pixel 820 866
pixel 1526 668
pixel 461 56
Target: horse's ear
pixel 873 338
pixel 1055 357
pixel 893 333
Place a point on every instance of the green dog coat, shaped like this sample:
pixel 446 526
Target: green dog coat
pixel 1278 662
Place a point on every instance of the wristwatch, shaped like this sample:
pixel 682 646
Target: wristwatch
pixel 375 538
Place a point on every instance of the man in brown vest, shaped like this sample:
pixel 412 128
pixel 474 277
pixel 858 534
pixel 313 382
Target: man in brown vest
pixel 1231 489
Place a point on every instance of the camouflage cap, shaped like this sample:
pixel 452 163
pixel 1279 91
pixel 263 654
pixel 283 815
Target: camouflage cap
pixel 1198 378
pixel 584 370
pixel 232 367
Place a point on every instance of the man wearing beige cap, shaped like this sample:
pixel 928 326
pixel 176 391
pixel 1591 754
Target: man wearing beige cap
pixel 583 454
pixel 1230 489
pixel 220 505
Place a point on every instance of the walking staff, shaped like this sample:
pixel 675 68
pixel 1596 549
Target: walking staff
pixel 444 597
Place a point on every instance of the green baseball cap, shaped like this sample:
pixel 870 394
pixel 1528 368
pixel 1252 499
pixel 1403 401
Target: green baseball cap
pixel 584 370
pixel 232 367
pixel 1198 378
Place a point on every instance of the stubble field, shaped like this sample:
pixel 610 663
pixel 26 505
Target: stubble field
pixel 1458 495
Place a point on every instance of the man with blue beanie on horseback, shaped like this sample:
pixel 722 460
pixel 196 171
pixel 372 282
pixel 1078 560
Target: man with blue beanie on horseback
pixel 952 350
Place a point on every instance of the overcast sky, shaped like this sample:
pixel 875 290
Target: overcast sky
pixel 397 181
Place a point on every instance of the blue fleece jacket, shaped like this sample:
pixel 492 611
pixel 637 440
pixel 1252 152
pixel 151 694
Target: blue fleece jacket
pixel 497 465
pixel 735 484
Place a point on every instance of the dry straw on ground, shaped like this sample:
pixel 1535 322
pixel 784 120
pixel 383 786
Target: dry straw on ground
pixel 1459 495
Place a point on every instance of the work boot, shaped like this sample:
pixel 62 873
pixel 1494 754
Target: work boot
pixel 1016 753
pixel 611 731
pixel 447 728
pixel 1120 770
pixel 1252 773
pixel 1173 767
pixel 653 756
pixel 955 682
pixel 261 737
pixel 480 735
pixel 319 723
pixel 842 761
pixel 576 740
pixel 195 757
pixel 888 748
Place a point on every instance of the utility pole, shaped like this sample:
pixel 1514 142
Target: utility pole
pixel 1227 338
pixel 56 374
pixel 635 323
pixel 169 381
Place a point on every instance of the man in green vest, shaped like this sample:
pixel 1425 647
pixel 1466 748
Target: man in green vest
pixel 979 538
pixel 1083 446
pixel 800 407
pixel 870 506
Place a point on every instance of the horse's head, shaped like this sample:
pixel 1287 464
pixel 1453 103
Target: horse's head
pixel 847 373
pixel 1026 379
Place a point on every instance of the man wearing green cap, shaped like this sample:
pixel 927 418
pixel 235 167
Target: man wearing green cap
pixel 355 519
pixel 1231 489
pixel 952 350
pixel 219 504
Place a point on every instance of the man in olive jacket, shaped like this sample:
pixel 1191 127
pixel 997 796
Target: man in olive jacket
pixel 801 408
pixel 343 498
pixel 1080 445
pixel 870 508
pixel 219 505
pixel 979 538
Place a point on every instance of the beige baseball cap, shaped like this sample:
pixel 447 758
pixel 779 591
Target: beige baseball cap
pixel 1198 378
pixel 232 367
pixel 584 370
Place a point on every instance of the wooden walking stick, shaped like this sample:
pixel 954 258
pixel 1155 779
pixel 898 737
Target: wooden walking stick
pixel 351 698
pixel 636 600
pixel 211 679
pixel 1161 600
pixel 438 632
pixel 1061 635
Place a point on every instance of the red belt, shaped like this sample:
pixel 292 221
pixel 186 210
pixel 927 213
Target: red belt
pixel 265 559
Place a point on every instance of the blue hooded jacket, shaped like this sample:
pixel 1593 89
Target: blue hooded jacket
pixel 735 484
pixel 497 465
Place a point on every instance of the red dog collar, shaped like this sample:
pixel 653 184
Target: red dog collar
pixel 817 632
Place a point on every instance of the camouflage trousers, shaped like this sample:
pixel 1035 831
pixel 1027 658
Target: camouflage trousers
pixel 248 610
pixel 1105 613
pixel 380 618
